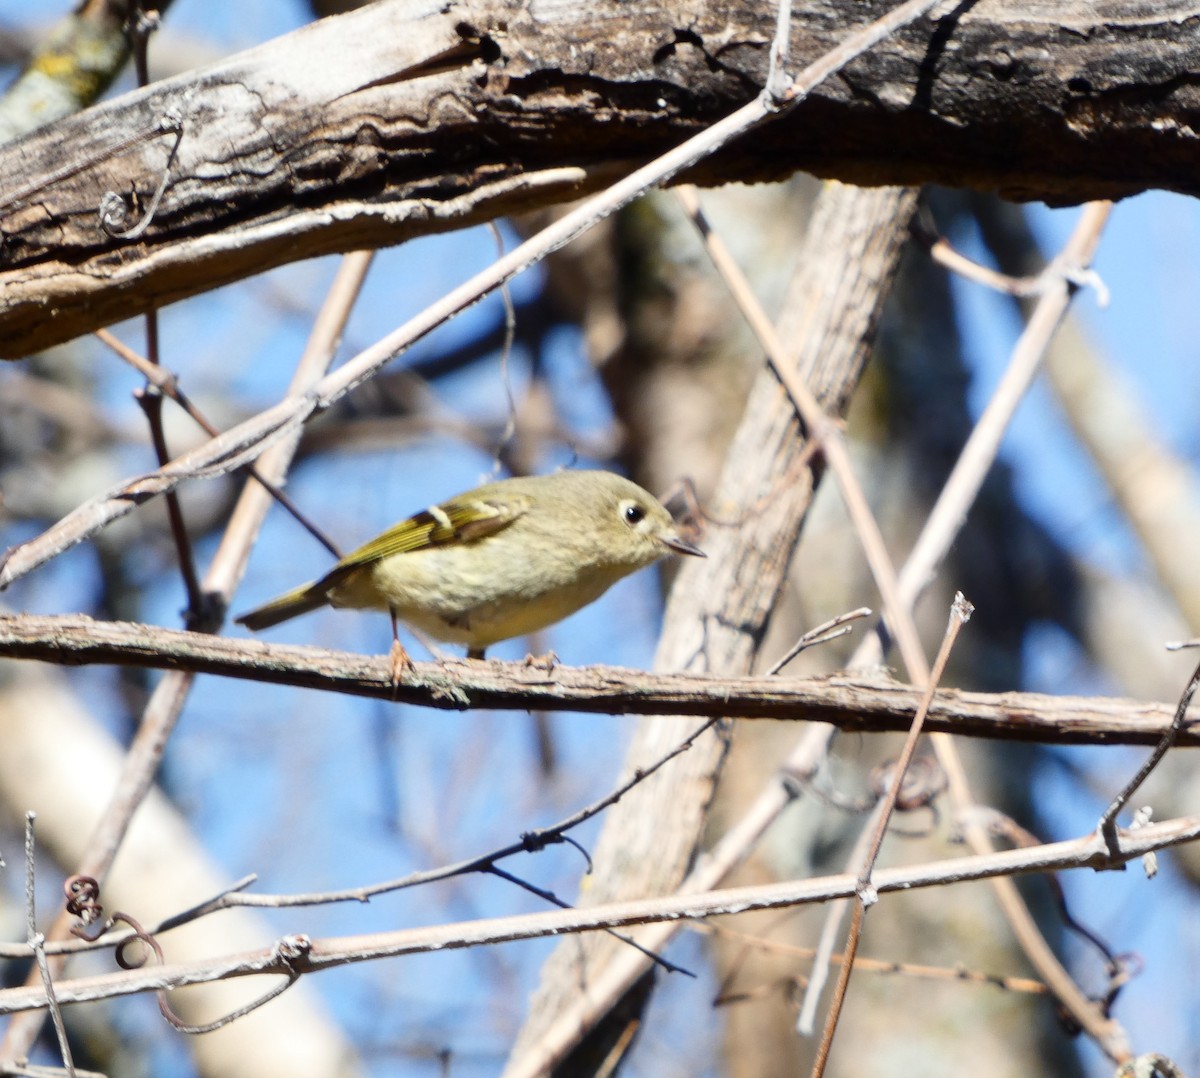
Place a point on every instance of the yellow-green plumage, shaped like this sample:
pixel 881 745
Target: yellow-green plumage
pixel 501 561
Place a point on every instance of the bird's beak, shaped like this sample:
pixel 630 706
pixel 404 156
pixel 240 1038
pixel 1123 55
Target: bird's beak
pixel 682 546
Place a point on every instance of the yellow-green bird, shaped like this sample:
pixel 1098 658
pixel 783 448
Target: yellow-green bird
pixel 500 561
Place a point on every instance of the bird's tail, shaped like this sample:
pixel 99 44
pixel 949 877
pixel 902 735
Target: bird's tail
pixel 302 600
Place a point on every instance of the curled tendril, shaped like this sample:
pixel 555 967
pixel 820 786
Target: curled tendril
pixel 797 783
pixel 83 898
pixel 114 210
pixel 83 901
pixel 140 935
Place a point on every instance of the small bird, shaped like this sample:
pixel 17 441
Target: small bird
pixel 500 561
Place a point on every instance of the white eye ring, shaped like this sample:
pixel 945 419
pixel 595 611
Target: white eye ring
pixel 633 514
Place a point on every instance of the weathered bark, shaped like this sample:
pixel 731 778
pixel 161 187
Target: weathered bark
pixel 853 704
pixel 409 117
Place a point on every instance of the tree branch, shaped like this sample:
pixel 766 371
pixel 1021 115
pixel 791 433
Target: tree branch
pixel 405 118
pixel 850 703
pixel 297 954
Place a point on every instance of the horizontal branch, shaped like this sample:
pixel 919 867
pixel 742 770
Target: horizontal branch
pixel 857 704
pixel 296 955
pixel 410 117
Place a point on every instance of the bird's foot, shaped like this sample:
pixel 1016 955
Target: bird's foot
pixel 401 664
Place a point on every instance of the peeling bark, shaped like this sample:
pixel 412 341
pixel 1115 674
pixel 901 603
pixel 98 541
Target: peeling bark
pixel 409 117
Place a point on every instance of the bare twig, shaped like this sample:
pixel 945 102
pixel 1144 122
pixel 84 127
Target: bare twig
pixel 530 842
pixel 168 385
pixel 1170 737
pixel 821 634
pixel 945 255
pixel 960 614
pixel 37 943
pixel 554 900
pixel 510 335
pixel 139 28
pixel 865 896
pixel 150 401
pixel 849 702
pixel 1119 967
pixel 300 955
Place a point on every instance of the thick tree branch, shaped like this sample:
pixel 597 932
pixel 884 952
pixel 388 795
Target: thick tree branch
pixel 408 117
pixel 850 703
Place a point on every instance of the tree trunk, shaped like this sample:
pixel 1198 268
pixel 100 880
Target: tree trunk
pixel 720 608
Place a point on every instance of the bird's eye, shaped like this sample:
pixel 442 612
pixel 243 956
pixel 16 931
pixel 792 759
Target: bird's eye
pixel 634 514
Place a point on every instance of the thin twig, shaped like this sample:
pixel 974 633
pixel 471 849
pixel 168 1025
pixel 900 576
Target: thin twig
pixel 528 843
pixel 1108 822
pixel 939 249
pixel 554 900
pixel 168 385
pixel 960 614
pixel 1119 967
pixel 865 895
pixel 139 29
pixel 510 335
pixel 821 634
pixel 1088 852
pixel 37 943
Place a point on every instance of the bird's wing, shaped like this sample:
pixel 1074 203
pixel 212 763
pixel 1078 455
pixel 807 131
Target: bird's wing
pixel 460 520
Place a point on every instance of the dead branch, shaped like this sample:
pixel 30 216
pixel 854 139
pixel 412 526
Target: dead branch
pixel 402 119
pixel 297 954
pixel 850 703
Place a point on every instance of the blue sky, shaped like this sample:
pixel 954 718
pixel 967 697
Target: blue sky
pixel 413 788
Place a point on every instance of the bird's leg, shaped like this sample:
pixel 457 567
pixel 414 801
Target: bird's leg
pixel 476 653
pixel 401 663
